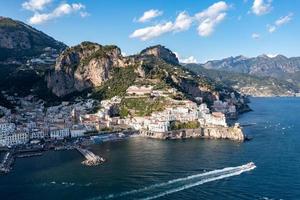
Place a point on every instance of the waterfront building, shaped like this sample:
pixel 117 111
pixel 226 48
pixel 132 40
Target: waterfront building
pixel 15 139
pixel 77 133
pixel 159 126
pixel 59 134
pixel 38 135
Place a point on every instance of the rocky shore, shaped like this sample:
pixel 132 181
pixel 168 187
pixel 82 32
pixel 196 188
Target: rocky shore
pixel 234 133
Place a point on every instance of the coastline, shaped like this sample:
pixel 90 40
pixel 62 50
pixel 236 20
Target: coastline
pixel 234 133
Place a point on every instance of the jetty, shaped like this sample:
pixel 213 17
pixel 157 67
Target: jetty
pixel 7 162
pixel 91 158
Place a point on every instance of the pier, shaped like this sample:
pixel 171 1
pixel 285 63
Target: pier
pixel 91 158
pixel 7 162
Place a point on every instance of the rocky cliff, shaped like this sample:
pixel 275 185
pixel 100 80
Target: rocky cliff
pixel 93 67
pixel 234 133
pixel 161 52
pixel 84 66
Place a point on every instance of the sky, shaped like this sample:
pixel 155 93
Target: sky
pixel 197 30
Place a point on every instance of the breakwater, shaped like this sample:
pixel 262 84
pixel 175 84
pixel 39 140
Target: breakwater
pixel 91 158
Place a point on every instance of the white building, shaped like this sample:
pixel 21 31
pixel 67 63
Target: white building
pixel 77 133
pixel 14 139
pixel 135 90
pixel 59 134
pixel 38 135
pixel 7 128
pixel 159 126
pixel 216 118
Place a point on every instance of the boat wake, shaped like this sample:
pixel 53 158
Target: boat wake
pixel 177 185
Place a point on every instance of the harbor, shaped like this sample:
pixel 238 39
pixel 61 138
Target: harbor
pixel 80 145
pixel 7 162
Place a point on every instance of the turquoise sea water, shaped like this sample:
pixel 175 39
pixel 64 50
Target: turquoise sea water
pixel 141 164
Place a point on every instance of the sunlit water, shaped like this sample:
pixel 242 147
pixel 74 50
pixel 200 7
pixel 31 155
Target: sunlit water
pixel 138 164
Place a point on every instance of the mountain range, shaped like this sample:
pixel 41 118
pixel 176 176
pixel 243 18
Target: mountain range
pixel 259 76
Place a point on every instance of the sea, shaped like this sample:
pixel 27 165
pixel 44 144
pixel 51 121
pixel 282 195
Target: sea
pixel 189 169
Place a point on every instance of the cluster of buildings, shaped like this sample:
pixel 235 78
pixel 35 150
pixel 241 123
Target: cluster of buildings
pixel 31 121
pixel 186 111
pixel 48 57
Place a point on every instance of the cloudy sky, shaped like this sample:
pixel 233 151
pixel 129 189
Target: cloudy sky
pixel 197 30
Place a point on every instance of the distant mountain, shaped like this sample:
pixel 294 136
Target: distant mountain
pixel 261 66
pixel 19 40
pixel 246 83
pixel 279 67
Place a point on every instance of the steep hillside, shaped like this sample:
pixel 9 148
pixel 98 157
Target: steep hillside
pixel 101 72
pixel 262 65
pixel 19 40
pixel 279 67
pixel 26 55
pixel 247 84
pixel 85 66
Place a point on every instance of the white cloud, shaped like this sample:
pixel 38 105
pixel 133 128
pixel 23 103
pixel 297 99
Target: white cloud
pixel 261 7
pixel 271 28
pixel 255 36
pixel 152 31
pixel 284 20
pixel 150 14
pixel 211 17
pixel 35 5
pixel 61 10
pixel 84 14
pixel 280 22
pixel 207 19
pixel 190 59
pixel 182 22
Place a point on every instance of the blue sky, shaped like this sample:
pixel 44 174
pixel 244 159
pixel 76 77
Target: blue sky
pixel 204 29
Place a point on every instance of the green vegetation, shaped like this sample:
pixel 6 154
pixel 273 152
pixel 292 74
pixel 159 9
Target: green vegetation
pixel 141 106
pixel 176 125
pixel 240 80
pixel 37 40
pixel 121 79
pixel 182 79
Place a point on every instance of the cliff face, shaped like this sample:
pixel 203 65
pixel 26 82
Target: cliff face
pixel 161 52
pixel 89 65
pixel 208 132
pixel 231 133
pixel 84 66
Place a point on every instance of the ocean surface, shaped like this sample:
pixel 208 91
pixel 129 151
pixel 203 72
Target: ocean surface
pixel 173 170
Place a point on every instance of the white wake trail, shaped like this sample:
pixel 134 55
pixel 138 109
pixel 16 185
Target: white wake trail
pixel 195 184
pixel 218 174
